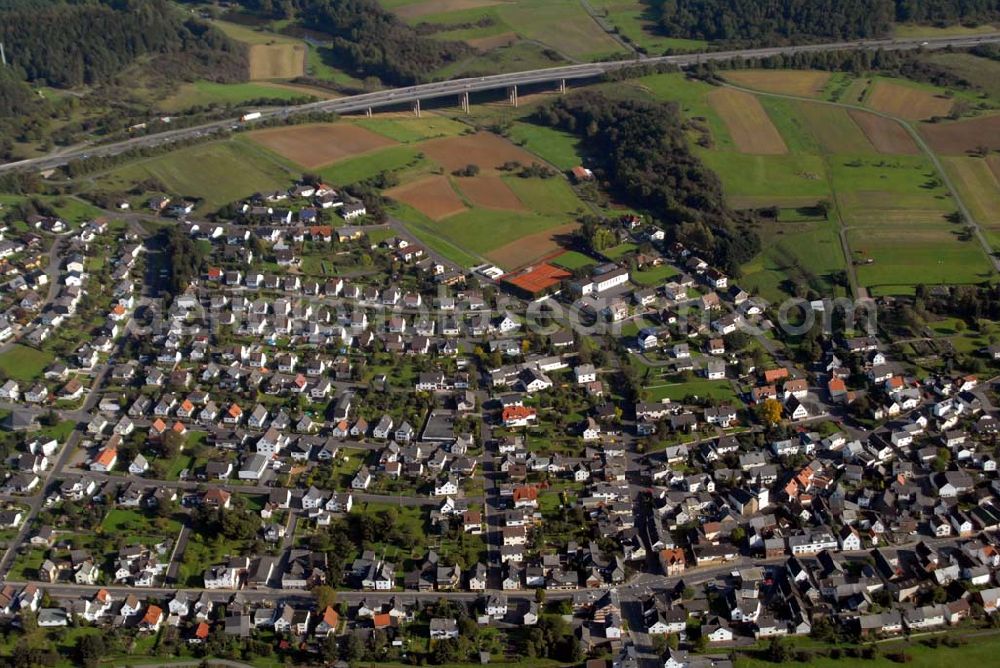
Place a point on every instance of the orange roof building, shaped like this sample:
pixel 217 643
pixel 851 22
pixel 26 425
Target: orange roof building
pixel 105 459
pixel 771 375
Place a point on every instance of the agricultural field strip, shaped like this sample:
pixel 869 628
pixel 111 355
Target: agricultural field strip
pixel 924 147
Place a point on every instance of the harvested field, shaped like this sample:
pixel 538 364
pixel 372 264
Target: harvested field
pixel 749 125
pixel 538 279
pixel 489 192
pixel 835 129
pixel 979 186
pixel 317 145
pixel 905 218
pixel 805 83
pixel 886 136
pixel 491 42
pixel 533 247
pixel 418 9
pixel 432 196
pixel 484 149
pixel 907 102
pixel 963 136
pixel 277 61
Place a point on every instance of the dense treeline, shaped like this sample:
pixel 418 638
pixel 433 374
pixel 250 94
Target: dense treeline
pixel 904 64
pixel 788 20
pixel 185 257
pixel 91 42
pixel 648 163
pixel 947 11
pixel 367 39
pixel 20 110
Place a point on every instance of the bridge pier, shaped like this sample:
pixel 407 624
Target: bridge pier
pixel 368 112
pixel 464 101
pixel 512 95
pixel 562 86
pixel 416 108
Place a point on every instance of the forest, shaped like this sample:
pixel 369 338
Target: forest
pixel 756 21
pixel 648 164
pixel 367 39
pixel 73 44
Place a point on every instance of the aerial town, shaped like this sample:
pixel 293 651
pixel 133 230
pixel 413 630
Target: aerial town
pixel 506 333
pixel 412 460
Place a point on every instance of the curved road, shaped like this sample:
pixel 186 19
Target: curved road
pixel 409 94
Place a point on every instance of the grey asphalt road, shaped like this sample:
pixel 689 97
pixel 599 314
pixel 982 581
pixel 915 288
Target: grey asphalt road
pixel 454 87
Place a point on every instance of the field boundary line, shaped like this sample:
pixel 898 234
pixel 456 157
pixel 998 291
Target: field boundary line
pixel 964 210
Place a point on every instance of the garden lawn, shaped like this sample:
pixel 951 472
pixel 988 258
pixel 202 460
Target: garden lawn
pixel 24 363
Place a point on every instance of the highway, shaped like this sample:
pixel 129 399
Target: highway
pixel 457 87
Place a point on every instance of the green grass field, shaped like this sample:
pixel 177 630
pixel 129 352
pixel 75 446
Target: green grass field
pixel 676 389
pixel 573 260
pixel 70 209
pixel 390 159
pixel 250 35
pixel 769 179
pixel 203 93
pixel 807 253
pixel 554 146
pixel 137 527
pixel 655 275
pixel 979 650
pixel 551 197
pixel 409 130
pixel 978 71
pixel 216 173
pixel 690 97
pixel 426 230
pixel 24 363
pixel 905 257
pixel 483 230
pixel 635 21
pixel 562 25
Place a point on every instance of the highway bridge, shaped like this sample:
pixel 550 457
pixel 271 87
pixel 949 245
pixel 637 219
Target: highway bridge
pixel 463 88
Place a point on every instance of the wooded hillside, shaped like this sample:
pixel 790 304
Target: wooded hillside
pixel 71 44
pixel 648 164
pixel 784 20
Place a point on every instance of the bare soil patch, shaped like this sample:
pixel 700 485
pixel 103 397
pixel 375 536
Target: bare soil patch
pixel 906 102
pixel 805 83
pixel 886 135
pixel 317 145
pixel 432 196
pixel 484 149
pixel 963 136
pixel 532 248
pixel 489 192
pixel 277 61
